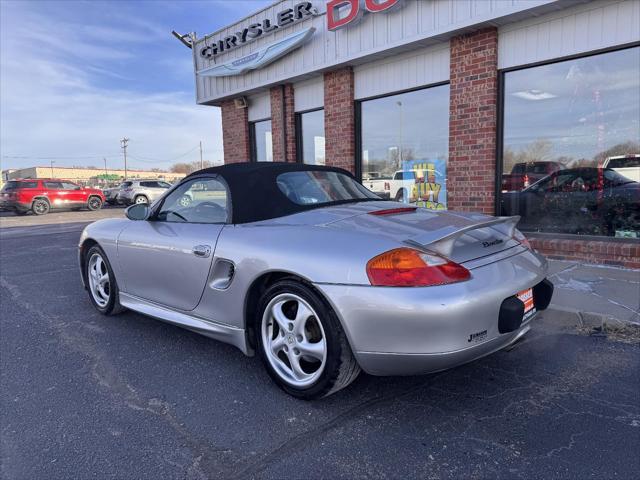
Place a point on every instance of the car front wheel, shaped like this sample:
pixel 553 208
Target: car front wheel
pixel 101 282
pixel 141 199
pixel 302 343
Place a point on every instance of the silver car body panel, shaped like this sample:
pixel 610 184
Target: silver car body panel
pixel 392 330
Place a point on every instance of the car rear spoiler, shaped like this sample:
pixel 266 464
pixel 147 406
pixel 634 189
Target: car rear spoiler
pixel 441 241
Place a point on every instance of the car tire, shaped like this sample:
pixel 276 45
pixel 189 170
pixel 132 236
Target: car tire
pixel 329 364
pixel 105 300
pixel 94 203
pixel 140 199
pixel 400 195
pixel 40 206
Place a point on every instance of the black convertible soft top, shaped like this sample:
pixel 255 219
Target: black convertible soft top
pixel 255 194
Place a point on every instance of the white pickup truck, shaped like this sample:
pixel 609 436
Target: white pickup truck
pixel 625 165
pixel 397 188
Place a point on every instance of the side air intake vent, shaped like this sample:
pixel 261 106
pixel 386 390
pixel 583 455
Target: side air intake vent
pixel 222 275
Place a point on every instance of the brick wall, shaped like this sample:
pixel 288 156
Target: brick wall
pixel 471 171
pixel 286 122
pixel 622 254
pixel 235 133
pixel 339 119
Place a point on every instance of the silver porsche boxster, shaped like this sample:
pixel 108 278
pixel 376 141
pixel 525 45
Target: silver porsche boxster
pixel 317 274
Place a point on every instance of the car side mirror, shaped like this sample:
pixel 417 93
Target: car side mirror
pixel 139 211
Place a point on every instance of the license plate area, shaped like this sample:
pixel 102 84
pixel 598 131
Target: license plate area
pixel 526 297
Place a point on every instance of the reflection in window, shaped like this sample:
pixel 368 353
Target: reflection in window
pixel 201 200
pixel 405 144
pixel 262 147
pixel 312 138
pixel 571 140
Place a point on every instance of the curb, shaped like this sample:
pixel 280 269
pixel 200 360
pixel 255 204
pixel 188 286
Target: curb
pixel 572 317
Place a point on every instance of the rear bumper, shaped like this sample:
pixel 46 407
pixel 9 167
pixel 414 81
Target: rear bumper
pixel 13 205
pixel 386 364
pixel 407 331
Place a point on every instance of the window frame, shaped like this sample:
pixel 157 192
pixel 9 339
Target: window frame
pixel 157 206
pixel 253 147
pixel 358 118
pixel 299 133
pixel 500 110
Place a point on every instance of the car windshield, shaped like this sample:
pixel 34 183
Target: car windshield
pixel 320 187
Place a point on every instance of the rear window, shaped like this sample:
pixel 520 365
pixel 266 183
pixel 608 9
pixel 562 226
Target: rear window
pixel 13 185
pixel 626 162
pixel 319 187
pixel 126 184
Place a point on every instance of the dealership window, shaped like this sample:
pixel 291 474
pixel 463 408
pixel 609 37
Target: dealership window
pixel 571 143
pixel 310 126
pixel 405 144
pixel 261 144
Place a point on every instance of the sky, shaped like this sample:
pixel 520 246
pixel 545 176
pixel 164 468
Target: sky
pixel 77 76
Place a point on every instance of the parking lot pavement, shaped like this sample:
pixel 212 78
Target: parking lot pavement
pixel 86 396
pixel 10 219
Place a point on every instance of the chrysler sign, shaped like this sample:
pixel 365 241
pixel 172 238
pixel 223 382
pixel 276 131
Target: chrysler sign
pixel 261 58
pixel 340 13
pixel 285 18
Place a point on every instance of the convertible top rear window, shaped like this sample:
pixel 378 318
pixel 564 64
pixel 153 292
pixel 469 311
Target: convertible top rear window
pixel 321 187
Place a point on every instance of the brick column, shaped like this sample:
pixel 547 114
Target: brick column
pixel 283 123
pixel 339 119
pixel 472 121
pixel 235 133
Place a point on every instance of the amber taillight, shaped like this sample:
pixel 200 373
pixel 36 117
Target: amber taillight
pixel 407 267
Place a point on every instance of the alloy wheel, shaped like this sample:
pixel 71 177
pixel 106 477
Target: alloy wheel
pixel 294 340
pixel 95 203
pixel 141 199
pixel 99 282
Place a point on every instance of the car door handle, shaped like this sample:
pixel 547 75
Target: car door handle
pixel 202 251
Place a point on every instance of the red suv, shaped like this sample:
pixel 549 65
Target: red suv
pixel 42 195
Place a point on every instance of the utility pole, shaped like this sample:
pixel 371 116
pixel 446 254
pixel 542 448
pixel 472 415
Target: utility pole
pixel 105 169
pixel 201 162
pixel 123 145
pixel 52 162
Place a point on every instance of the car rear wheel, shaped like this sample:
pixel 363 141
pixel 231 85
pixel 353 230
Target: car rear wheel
pixel 101 282
pixel 40 206
pixel 401 195
pixel 94 203
pixel 302 343
pixel 141 199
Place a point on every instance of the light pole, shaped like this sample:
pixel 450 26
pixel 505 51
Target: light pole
pixel 123 145
pixel 201 162
pixel 52 162
pixel 105 169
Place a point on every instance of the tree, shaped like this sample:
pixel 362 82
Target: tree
pixel 189 167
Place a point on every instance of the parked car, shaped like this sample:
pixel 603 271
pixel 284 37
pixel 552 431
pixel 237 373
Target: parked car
pixel 591 201
pixel 399 187
pixel 626 165
pixel 42 195
pixel 111 194
pixel 141 191
pixel 318 275
pixel 525 174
